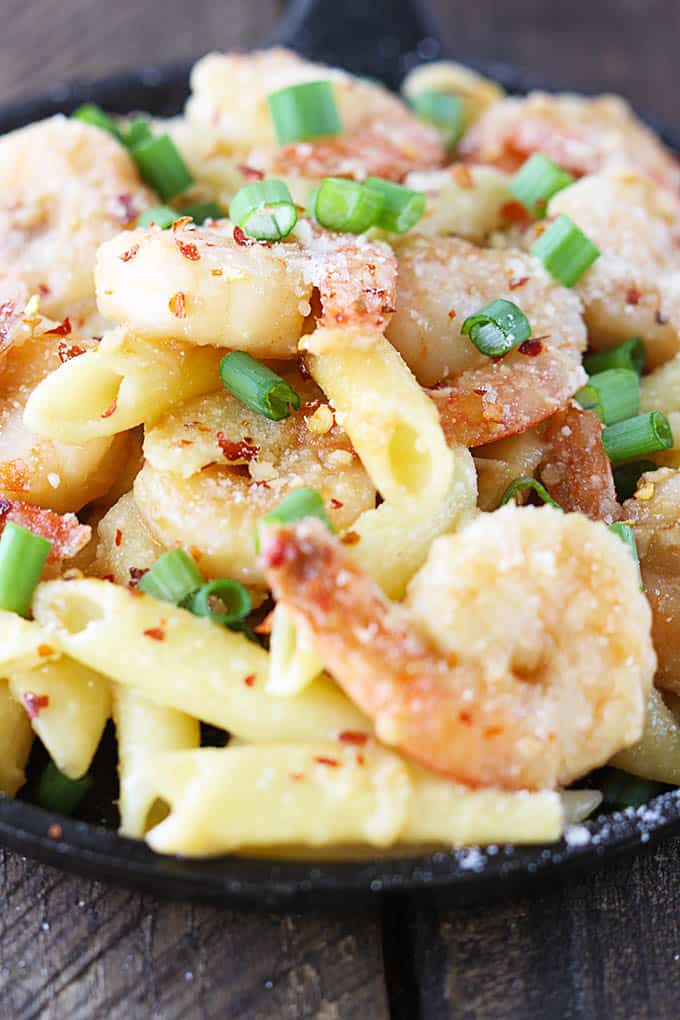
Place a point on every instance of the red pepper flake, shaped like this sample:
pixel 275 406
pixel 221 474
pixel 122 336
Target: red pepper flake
pixel 350 538
pixel 279 552
pixel 249 680
pixel 297 777
pixel 302 369
pixel 180 222
pixel 532 348
pixel 7 310
pixel 185 442
pixel 156 633
pixel 178 305
pixel 518 281
pixel 465 717
pixel 134 590
pixel 331 762
pixel 119 536
pixel 43 289
pixel 5 507
pixel 45 650
pixel 62 330
pixel 34 703
pixel 240 238
pixel 633 296
pixel 250 173
pixel 55 831
pixel 128 255
pixel 361 760
pixel 137 573
pixel 660 317
pixel 110 578
pixel 245 449
pixel 516 213
pixel 452 313
pixel 111 409
pixel 336 504
pixel 493 731
pixel 68 351
pixel 353 737
pixel 188 250
pixel 481 392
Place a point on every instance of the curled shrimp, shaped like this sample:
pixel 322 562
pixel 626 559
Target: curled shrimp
pixel 67 535
pixel 380 136
pixel 211 286
pixel 581 134
pixel 214 467
pixel 442 281
pixel 521 659
pixel 632 288
pixel 64 188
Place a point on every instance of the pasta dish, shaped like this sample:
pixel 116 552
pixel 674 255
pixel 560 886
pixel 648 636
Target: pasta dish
pixel 337 466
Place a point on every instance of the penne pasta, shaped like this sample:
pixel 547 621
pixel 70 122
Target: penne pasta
pixel 657 754
pixel 16 737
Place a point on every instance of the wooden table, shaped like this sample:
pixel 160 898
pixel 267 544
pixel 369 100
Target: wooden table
pixel 606 946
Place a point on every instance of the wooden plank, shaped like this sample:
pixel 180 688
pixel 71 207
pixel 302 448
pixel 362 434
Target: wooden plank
pixel 79 949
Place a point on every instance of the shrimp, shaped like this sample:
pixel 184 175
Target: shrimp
pixel 654 512
pixel 214 468
pixel 441 282
pixel 206 286
pixel 633 288
pixel 575 468
pixel 64 188
pixel 498 464
pixel 380 136
pixel 464 200
pixel 522 657
pixel 67 535
pixel 583 135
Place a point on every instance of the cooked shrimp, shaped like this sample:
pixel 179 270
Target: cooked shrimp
pixel 498 464
pixel 522 657
pixel 633 288
pixel 380 136
pixel 209 287
pixel 444 280
pixel 64 188
pixel 654 512
pixel 67 535
pixel 581 134
pixel 575 468
pixel 214 467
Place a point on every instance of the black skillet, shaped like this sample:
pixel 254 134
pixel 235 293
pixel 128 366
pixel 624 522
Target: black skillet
pixel 382 38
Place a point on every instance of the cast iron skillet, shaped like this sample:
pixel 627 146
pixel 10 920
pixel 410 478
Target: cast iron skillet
pixel 383 39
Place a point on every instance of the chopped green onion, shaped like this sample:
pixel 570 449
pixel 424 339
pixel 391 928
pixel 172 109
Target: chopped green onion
pixel 162 167
pixel 519 484
pixel 629 354
pixel 95 116
pixel 401 207
pixel 298 504
pixel 445 111
pixel 257 386
pixel 497 327
pixel 233 596
pixel 264 210
pixel 305 111
pixel 536 181
pixel 627 536
pixel 614 395
pixel 565 251
pixel 627 476
pixel 637 437
pixel 621 790
pixel 161 216
pixel 56 792
pixel 172 578
pixel 138 130
pixel 22 558
pixel 346 205
pixel 202 211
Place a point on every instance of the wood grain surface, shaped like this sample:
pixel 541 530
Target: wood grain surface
pixel 605 946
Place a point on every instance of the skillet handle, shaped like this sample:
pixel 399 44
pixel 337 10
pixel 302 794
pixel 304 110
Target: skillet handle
pixel 379 38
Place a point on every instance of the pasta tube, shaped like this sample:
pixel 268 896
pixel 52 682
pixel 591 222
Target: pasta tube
pixel 16 737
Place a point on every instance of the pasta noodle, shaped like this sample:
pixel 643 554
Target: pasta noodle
pixel 657 754
pixel 16 737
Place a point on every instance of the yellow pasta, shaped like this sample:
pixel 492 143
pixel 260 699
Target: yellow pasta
pixel 325 794
pixel 23 644
pixel 293 663
pixel 184 662
pixel 16 737
pixel 77 704
pixel 657 754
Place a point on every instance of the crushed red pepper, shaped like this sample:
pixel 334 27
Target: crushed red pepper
pixel 35 703
pixel 331 762
pixel 119 536
pixel 249 680
pixel 244 449
pixel 156 633
pixel 532 348
pixel 353 737
pixel 67 351
pixel 129 254
pixel 188 250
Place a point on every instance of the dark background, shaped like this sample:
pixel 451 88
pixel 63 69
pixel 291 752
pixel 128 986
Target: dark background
pixel 606 946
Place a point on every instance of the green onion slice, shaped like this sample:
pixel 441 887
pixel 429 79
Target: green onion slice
pixel 627 476
pixel 162 167
pixel 233 596
pixel 497 327
pixel 22 558
pixel 442 109
pixel 95 116
pixel 401 208
pixel 264 210
pixel 629 354
pixel 627 536
pixel 305 111
pixel 614 395
pixel 346 205
pixel 537 181
pixel 257 386
pixel 161 216
pixel 565 251
pixel 621 790
pixel 637 437
pixel 138 130
pixel 172 578
pixel 519 484
pixel 56 792
pixel 202 211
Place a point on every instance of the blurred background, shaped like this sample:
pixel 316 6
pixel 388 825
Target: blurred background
pixel 628 46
